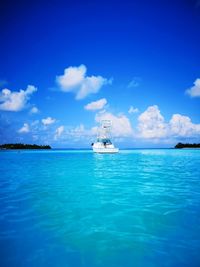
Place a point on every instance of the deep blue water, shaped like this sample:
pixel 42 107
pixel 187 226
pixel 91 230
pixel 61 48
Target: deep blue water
pixel 137 208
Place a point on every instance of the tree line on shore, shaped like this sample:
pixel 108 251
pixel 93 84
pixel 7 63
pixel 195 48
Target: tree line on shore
pixel 34 146
pixel 24 146
pixel 187 145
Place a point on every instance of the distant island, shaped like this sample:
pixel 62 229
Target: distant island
pixel 24 146
pixel 187 145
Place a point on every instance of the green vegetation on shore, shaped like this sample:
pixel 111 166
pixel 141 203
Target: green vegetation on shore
pixel 24 146
pixel 187 145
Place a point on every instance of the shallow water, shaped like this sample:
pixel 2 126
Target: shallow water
pixel 137 208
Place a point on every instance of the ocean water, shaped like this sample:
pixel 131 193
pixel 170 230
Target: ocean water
pixel 138 208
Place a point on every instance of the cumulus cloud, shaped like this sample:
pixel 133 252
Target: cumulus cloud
pixel 59 132
pixel 194 91
pixel 133 110
pixel 79 131
pixel 121 126
pixel 182 126
pixel 75 80
pixel 34 110
pixel 96 105
pixel 151 123
pixel 70 135
pixel 25 128
pixel 15 101
pixel 48 121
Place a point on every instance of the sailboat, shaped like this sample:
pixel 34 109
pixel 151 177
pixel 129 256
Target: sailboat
pixel 103 142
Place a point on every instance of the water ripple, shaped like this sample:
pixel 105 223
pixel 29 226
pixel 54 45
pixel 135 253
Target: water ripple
pixel 140 204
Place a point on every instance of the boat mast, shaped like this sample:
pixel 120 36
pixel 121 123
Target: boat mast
pixel 105 129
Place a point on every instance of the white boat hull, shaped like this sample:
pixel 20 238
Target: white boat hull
pixel 103 144
pixel 106 150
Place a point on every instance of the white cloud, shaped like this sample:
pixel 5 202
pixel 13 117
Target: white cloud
pixel 48 121
pixel 81 135
pixel 182 126
pixel 73 77
pixel 34 110
pixel 194 91
pixel 69 134
pixel 96 105
pixel 79 131
pixel 59 132
pixel 75 80
pixel 15 101
pixel 25 128
pixel 121 126
pixel 151 124
pixel 133 110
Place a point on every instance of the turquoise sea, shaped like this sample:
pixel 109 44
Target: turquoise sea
pixel 138 208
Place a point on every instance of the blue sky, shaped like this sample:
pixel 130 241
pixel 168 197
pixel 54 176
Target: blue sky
pixel 65 65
